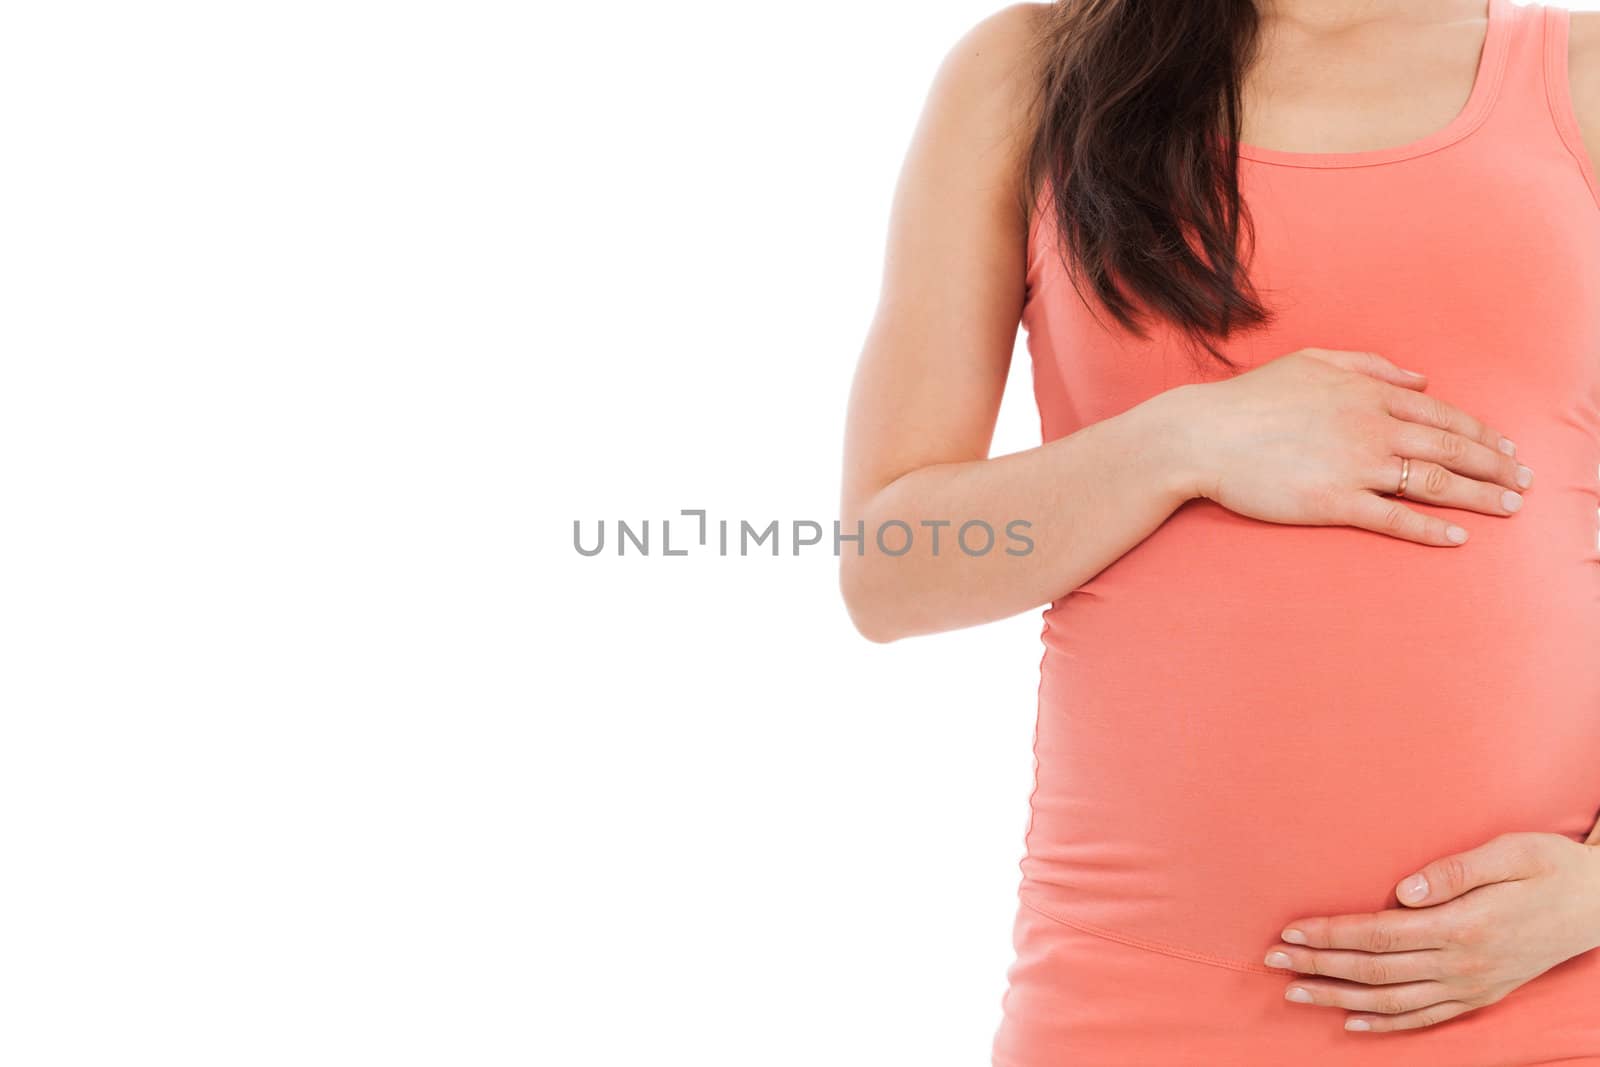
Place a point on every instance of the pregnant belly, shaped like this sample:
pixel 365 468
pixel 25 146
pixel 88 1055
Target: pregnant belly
pixel 1243 723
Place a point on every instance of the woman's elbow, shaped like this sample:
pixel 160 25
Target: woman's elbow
pixel 866 605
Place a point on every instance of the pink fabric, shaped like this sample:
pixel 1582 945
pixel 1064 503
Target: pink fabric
pixel 1242 723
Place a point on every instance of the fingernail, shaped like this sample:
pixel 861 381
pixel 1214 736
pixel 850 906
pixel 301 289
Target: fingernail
pixel 1508 446
pixel 1413 373
pixel 1357 1024
pixel 1278 959
pixel 1511 501
pixel 1298 995
pixel 1414 888
pixel 1294 937
pixel 1524 476
pixel 1455 534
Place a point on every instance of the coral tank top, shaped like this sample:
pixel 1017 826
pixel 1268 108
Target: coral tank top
pixel 1242 723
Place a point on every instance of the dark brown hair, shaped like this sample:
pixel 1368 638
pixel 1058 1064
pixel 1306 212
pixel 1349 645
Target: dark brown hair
pixel 1134 126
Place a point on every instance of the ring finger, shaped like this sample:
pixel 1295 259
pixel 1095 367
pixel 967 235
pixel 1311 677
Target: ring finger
pixel 1459 454
pixel 1368 968
pixel 1431 483
pixel 1380 999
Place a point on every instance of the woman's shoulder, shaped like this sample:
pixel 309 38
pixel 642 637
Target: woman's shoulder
pixel 998 47
pixel 1015 22
pixel 980 107
pixel 1583 43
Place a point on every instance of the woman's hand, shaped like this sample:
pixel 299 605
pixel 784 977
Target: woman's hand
pixel 1316 438
pixel 1476 926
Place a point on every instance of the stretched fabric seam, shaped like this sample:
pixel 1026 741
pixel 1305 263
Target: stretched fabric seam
pixel 1155 946
pixel 1557 94
pixel 1044 628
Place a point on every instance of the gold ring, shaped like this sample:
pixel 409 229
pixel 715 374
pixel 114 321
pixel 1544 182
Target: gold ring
pixel 1405 476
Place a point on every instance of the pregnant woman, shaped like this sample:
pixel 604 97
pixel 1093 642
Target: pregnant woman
pixel 1311 290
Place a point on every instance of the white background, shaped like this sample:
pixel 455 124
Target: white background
pixel 322 323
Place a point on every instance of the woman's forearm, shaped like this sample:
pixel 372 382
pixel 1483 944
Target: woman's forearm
pixel 1086 499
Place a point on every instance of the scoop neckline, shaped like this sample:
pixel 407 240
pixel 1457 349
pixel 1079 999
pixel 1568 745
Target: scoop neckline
pixel 1485 86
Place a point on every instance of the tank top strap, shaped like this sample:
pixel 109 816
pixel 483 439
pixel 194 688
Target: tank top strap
pixel 1513 64
pixel 1545 83
pixel 1531 109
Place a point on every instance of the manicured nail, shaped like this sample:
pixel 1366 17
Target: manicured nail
pixel 1508 446
pixel 1414 888
pixel 1511 501
pixel 1357 1024
pixel 1293 936
pixel 1413 373
pixel 1298 995
pixel 1278 959
pixel 1524 476
pixel 1455 533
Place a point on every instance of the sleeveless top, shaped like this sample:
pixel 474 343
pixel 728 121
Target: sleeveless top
pixel 1241 723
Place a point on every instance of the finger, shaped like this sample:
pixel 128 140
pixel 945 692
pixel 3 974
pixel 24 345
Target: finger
pixel 1373 365
pixel 1428 410
pixel 1410 1020
pixel 1368 968
pixel 1386 515
pixel 1381 1000
pixel 1433 484
pixel 1394 930
pixel 1457 452
pixel 1501 859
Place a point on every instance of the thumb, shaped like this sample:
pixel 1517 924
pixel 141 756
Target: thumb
pixel 1499 860
pixel 1373 365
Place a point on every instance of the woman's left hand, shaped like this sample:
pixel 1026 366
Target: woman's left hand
pixel 1476 925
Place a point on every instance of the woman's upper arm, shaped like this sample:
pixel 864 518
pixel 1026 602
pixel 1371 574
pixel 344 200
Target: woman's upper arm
pixel 928 385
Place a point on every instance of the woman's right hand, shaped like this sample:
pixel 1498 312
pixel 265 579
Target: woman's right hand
pixel 1316 437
